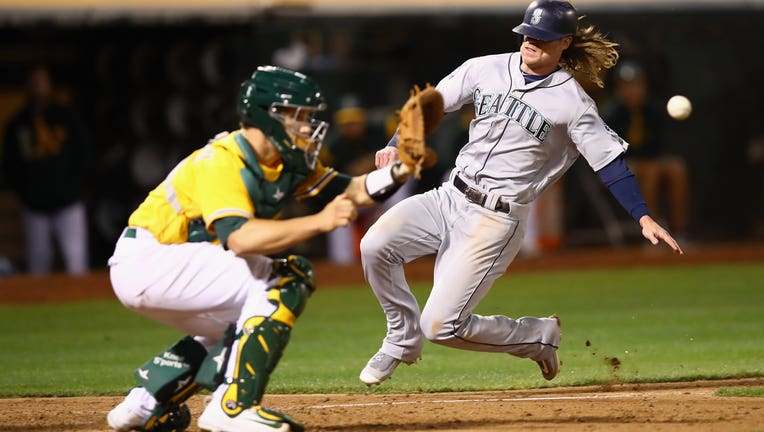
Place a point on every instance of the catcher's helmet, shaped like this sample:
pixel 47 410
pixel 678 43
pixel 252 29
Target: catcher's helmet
pixel 548 20
pixel 270 96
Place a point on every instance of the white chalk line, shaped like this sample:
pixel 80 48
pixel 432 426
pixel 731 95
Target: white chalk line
pixel 449 401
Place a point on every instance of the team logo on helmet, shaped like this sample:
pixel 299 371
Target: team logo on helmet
pixel 536 18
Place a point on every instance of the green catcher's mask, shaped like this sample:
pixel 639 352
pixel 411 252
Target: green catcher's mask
pixel 282 103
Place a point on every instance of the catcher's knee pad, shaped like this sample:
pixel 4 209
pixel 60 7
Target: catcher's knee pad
pixel 169 377
pixel 296 276
pixel 262 339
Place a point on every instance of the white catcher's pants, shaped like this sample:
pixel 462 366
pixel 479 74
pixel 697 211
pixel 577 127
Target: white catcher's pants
pixel 197 288
pixel 473 247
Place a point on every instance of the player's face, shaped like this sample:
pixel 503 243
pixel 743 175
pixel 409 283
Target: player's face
pixel 633 93
pixel 39 86
pixel 542 57
pixel 297 123
pixel 306 132
pixel 300 124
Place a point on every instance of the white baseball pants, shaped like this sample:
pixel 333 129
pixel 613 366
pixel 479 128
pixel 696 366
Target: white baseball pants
pixel 473 247
pixel 197 288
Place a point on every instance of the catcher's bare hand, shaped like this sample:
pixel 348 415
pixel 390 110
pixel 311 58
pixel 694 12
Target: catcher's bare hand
pixel 386 156
pixel 339 212
pixel 655 233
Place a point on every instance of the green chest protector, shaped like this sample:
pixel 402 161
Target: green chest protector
pixel 267 197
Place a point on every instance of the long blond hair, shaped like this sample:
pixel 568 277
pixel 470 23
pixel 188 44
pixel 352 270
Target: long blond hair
pixel 589 54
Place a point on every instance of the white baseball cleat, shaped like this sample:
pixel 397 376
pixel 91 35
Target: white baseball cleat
pixel 547 359
pixel 121 419
pixel 255 419
pixel 132 412
pixel 140 411
pixel 379 368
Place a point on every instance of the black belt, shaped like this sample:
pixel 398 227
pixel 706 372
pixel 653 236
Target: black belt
pixel 477 197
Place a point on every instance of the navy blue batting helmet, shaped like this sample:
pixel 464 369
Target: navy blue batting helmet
pixel 548 20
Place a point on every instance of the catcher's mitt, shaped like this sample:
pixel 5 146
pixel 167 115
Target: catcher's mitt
pixel 419 117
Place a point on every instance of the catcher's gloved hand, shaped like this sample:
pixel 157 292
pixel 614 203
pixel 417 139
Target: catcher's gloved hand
pixel 419 117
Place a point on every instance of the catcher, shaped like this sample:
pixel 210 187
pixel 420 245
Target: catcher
pixel 194 256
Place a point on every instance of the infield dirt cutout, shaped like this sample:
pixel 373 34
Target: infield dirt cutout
pixel 689 406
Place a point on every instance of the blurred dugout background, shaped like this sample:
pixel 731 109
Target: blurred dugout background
pixel 154 80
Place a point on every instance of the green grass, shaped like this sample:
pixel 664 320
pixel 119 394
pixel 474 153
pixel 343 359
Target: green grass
pixel 662 324
pixel 741 392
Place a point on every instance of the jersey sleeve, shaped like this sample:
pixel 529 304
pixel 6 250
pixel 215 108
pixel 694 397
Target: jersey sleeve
pixel 598 144
pixel 323 182
pixel 457 88
pixel 219 188
pixel 225 226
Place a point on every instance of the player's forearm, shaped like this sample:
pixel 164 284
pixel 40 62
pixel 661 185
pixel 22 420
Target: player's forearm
pixel 267 236
pixel 369 189
pixel 356 191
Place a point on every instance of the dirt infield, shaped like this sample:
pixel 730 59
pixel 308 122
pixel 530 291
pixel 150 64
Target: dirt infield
pixel 653 407
pixel 624 407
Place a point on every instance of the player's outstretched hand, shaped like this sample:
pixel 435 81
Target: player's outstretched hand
pixel 386 156
pixel 339 212
pixel 655 233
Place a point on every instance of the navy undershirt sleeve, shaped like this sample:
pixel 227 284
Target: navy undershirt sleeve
pixel 623 185
pixel 394 140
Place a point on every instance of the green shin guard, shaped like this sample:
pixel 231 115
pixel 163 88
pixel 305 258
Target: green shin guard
pixel 169 377
pixel 295 266
pixel 260 349
pixel 212 370
pixel 262 340
pixel 172 371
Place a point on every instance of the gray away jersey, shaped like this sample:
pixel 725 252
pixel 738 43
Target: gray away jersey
pixel 524 136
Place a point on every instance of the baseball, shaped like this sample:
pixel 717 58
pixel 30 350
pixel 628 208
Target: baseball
pixel 679 107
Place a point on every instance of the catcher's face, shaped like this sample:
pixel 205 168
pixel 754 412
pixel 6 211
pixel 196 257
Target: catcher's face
pixel 542 57
pixel 306 132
